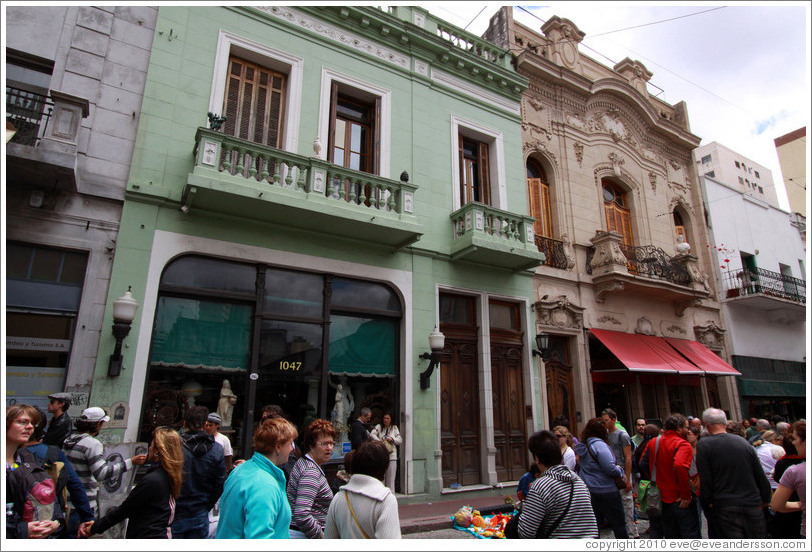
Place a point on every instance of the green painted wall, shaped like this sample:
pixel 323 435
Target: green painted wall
pixel 176 101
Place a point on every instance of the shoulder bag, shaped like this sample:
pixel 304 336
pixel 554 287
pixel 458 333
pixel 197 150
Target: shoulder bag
pixel 648 494
pixel 620 483
pixel 352 511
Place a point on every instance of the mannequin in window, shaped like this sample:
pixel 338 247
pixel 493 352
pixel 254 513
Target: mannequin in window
pixel 344 405
pixel 225 406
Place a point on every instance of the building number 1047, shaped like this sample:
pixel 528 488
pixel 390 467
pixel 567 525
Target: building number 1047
pixel 288 365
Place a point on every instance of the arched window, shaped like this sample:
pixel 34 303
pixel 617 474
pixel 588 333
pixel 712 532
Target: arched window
pixel 538 193
pixel 679 226
pixel 616 208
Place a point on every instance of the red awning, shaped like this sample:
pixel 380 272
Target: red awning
pixel 703 357
pixel 645 353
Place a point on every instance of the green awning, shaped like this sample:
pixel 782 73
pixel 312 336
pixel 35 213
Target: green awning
pixel 201 334
pixel 362 346
pixel 767 388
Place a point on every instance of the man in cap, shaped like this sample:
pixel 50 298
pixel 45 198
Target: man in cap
pixel 60 425
pixel 212 427
pixel 86 454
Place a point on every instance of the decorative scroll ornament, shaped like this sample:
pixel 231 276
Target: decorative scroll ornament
pixel 579 153
pixel 710 335
pixel 559 313
pixel 617 163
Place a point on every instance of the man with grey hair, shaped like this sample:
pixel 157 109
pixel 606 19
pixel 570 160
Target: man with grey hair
pixel 358 429
pixel 762 425
pixel 782 428
pixel 734 487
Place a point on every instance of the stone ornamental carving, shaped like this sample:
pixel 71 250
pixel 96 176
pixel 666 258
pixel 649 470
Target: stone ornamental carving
pixel 576 121
pixel 609 319
pixel 569 250
pixel 710 335
pixel 617 163
pixel 644 326
pixel 605 288
pixel 579 153
pixel 674 329
pixel 636 73
pixel 682 247
pixel 559 313
pixel 652 178
pixel 564 38
pixel 613 125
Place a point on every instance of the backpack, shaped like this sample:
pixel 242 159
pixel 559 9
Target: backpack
pixel 56 469
pixel 34 491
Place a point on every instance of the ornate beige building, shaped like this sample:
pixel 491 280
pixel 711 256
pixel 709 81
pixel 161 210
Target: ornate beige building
pixel 624 294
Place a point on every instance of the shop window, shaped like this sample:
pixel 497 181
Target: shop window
pixel 299 350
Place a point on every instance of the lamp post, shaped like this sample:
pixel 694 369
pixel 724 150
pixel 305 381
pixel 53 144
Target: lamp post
pixel 542 346
pixel 123 315
pixel 436 343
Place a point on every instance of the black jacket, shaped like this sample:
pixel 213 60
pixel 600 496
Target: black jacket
pixel 204 472
pixel 358 433
pixel 147 507
pixel 58 429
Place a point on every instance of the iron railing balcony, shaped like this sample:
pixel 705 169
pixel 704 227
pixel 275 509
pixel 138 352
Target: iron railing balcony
pixel 757 281
pixel 29 113
pixel 648 261
pixel 554 254
pixel 250 180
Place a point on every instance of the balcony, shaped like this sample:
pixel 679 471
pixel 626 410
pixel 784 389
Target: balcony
pixel 784 297
pixel 236 177
pixel 644 270
pixel 557 254
pixel 489 236
pixel 43 148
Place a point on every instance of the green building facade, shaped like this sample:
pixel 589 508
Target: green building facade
pixel 366 186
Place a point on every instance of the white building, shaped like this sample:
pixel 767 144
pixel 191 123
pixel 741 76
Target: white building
pixel 761 277
pixel 716 161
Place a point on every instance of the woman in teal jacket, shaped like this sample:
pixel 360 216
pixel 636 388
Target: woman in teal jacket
pixel 254 504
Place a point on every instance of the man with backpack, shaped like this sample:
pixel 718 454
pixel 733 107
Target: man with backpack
pixel 204 473
pixel 86 453
pixel 61 471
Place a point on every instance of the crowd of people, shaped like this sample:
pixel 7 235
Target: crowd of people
pixel 53 478
pixel 748 479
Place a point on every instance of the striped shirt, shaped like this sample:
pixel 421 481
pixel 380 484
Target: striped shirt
pixel 85 453
pixel 548 499
pixel 309 495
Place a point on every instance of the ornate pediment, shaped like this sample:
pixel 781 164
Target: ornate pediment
pixel 710 335
pixel 559 313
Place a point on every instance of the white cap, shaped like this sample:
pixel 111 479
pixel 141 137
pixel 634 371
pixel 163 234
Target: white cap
pixel 94 414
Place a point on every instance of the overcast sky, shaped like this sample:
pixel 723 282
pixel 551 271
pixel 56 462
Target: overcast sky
pixel 743 69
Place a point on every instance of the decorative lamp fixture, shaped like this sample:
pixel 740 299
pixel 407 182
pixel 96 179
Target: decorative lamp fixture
pixel 542 346
pixel 436 342
pixel 123 315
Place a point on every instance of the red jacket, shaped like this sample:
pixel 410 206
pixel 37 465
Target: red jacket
pixel 673 461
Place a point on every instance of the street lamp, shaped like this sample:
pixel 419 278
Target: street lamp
pixel 123 315
pixel 542 346
pixel 436 343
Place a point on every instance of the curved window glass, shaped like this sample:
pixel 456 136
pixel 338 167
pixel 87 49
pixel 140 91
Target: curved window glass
pixel 356 294
pixel 293 293
pixel 212 274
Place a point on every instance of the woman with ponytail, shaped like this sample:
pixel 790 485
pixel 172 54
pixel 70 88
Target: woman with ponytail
pixel 150 507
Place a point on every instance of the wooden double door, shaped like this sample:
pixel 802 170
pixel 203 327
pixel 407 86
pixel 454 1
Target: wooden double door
pixel 461 436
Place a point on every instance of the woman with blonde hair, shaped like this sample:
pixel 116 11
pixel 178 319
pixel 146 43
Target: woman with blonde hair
pixel 254 504
pixel 150 507
pixel 564 438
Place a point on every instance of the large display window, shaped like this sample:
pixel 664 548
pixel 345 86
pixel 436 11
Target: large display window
pixel 235 337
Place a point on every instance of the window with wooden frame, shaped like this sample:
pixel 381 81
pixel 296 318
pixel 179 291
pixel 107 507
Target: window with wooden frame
pixel 474 171
pixel 538 193
pixel 354 131
pixel 254 103
pixel 679 226
pixel 615 206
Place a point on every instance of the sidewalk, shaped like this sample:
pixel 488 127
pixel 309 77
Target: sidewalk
pixel 431 515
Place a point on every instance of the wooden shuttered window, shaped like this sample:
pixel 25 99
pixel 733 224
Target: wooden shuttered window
pixel 355 135
pixel 540 207
pixel 618 217
pixel 254 103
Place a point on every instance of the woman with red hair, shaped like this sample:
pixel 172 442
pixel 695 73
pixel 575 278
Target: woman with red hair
pixel 309 493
